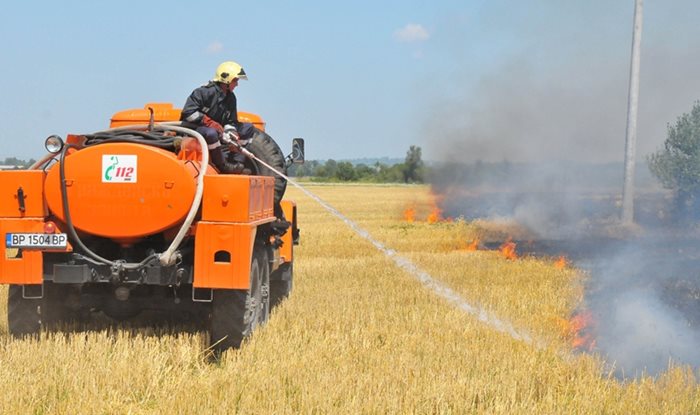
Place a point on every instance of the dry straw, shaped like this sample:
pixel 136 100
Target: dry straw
pixel 358 335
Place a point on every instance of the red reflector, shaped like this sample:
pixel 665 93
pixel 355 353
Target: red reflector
pixel 49 227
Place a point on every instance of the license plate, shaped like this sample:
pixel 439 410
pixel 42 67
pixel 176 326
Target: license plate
pixel 36 240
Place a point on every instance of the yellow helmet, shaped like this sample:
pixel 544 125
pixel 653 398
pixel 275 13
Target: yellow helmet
pixel 228 71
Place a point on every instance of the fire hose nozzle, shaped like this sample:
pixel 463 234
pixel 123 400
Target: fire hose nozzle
pixel 226 138
pixel 230 134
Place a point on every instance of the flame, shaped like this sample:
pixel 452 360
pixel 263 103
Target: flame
pixel 472 246
pixel 561 263
pixel 580 330
pixel 508 249
pixel 435 215
pixel 409 214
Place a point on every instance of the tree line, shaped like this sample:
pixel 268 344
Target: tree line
pixel 412 170
pixel 14 162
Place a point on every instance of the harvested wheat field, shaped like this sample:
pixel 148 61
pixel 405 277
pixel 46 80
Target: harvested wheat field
pixel 359 335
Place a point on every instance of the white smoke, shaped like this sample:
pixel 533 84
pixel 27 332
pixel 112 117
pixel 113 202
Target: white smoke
pixel 640 328
pixel 558 103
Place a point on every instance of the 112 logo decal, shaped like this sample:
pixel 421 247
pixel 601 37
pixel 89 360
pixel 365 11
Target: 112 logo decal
pixel 119 168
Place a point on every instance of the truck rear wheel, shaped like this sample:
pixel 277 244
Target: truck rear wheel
pixel 54 308
pixel 281 283
pixel 23 314
pixel 236 313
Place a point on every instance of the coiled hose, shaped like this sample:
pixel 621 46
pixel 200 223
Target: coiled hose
pixel 138 134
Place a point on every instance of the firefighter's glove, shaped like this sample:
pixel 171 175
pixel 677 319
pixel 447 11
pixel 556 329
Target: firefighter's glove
pixel 208 122
pixel 230 134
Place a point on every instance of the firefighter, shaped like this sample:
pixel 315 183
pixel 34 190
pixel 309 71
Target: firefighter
pixel 211 110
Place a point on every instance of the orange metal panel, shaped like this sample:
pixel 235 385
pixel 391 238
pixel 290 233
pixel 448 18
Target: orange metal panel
pixel 255 119
pixel 26 268
pixel 164 111
pixel 153 193
pixel 287 248
pixel 222 255
pixel 237 198
pixel 267 196
pixel 32 184
pixel 255 201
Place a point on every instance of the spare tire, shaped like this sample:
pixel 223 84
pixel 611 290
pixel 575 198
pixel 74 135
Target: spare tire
pixel 267 150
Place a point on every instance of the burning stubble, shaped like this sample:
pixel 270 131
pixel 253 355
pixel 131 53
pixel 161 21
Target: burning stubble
pixel 643 292
pixel 543 145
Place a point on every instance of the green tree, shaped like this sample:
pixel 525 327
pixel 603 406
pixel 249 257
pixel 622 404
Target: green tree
pixel 391 174
pixel 412 170
pixel 331 168
pixel 17 163
pixel 677 165
pixel 345 171
pixel 413 166
pixel 365 172
pixel 303 170
pixel 320 171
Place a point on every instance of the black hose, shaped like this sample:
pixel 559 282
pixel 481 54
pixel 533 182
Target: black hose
pixel 166 145
pixel 132 136
pixel 144 134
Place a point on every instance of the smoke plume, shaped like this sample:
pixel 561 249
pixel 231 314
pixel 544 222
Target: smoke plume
pixel 540 139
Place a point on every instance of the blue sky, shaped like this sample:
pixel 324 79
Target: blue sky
pixel 358 79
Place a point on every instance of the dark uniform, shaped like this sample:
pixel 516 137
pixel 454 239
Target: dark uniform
pixel 212 101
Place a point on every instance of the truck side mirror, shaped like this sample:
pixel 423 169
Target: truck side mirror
pixel 298 150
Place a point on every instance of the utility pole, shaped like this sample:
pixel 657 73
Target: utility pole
pixel 632 106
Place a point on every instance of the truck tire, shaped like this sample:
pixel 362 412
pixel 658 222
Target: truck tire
pixel 23 314
pixel 54 309
pixel 281 284
pixel 236 313
pixel 266 149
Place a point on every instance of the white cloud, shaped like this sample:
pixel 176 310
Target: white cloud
pixel 412 32
pixel 215 47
